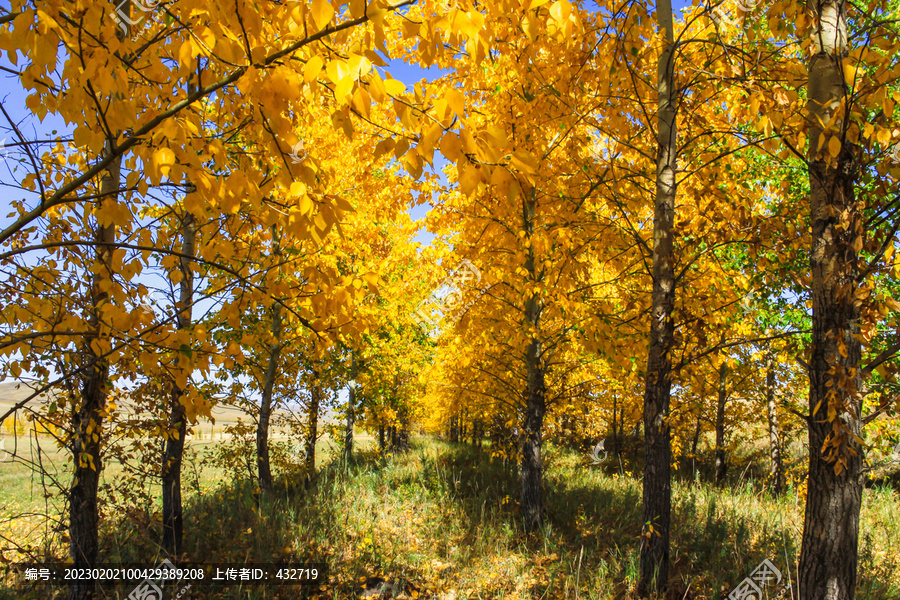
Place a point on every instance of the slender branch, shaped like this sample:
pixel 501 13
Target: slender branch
pixel 61 196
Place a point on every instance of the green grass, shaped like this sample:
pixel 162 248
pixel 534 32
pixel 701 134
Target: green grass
pixel 445 518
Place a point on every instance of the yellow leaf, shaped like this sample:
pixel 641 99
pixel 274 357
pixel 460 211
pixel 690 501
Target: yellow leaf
pixel 298 13
pixel 401 147
pixel 338 71
pixel 298 188
pixel 313 68
pixel 383 147
pixel 394 87
pixel 361 102
pixel 343 88
pixel 834 146
pixel 525 161
pixel 322 13
pixel 305 204
pixel 561 10
pixel 428 141
pixel 185 54
pixel 450 146
pixel 357 8
pixel 469 178
pixel 342 204
pixel 457 101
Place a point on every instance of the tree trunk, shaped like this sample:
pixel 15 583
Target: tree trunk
pixel 531 466
pixel 694 443
pixel 312 427
pixel 829 552
pixel 381 436
pixel 657 484
pixel 775 471
pixel 620 435
pixel 615 438
pixel 351 412
pixel 172 516
pixel 263 465
pixel 721 463
pixel 88 418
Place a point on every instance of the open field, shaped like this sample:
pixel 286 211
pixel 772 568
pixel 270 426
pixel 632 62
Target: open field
pixel 222 414
pixel 20 487
pixel 445 518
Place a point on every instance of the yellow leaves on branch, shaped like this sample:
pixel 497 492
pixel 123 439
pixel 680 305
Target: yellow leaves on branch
pixel 834 146
pixel 322 13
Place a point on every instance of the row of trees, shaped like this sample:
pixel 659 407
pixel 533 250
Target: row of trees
pixel 213 224
pixel 639 241
pixel 595 198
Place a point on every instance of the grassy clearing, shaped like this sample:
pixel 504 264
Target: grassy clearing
pixel 445 518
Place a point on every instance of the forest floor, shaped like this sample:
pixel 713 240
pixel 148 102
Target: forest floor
pixel 442 521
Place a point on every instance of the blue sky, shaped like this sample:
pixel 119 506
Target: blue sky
pixel 410 74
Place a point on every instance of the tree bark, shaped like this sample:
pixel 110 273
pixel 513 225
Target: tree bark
pixel 497 432
pixel 312 425
pixel 615 437
pixel 88 418
pixel 657 483
pixel 620 434
pixel 694 444
pixel 829 552
pixel 721 463
pixel 531 465
pixel 263 466
pixel 173 531
pixel 531 462
pixel 351 412
pixel 776 474
pixel 172 515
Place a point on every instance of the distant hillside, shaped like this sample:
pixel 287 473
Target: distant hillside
pixel 12 393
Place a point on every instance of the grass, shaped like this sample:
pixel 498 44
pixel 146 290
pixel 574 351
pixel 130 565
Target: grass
pixel 445 518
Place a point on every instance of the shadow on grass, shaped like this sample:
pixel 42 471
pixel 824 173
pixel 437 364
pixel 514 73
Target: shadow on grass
pixel 229 524
pixel 713 548
pixel 591 535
